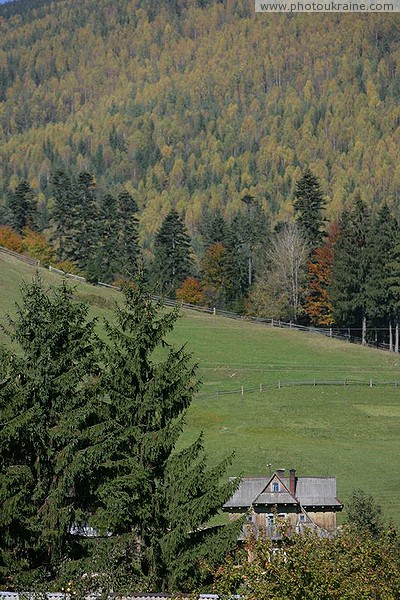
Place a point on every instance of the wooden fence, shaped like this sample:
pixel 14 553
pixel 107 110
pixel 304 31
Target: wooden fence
pixel 264 387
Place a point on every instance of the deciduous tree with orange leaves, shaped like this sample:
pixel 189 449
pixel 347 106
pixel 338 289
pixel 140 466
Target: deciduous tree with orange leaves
pixel 318 304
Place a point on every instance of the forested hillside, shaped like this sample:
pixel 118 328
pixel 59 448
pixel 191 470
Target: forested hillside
pixel 192 103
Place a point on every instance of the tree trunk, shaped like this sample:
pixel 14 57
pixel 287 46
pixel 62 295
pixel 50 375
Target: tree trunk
pixel 390 337
pixel 364 330
pixel 396 340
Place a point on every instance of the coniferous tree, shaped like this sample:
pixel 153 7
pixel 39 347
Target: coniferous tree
pixel 213 228
pixel 64 216
pixel 392 284
pixel 107 256
pixel 247 239
pixel 381 252
pixel 308 205
pixel 22 207
pixel 87 220
pixel 172 260
pixel 156 499
pixel 128 240
pixel 351 268
pixel 47 403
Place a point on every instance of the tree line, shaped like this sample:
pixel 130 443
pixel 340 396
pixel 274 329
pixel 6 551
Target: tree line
pixel 344 273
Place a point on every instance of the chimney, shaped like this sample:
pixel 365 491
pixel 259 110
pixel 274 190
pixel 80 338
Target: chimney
pixel 292 481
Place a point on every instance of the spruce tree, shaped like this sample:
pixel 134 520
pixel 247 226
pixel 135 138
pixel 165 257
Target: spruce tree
pixel 87 220
pixel 49 412
pixel 213 228
pixel 172 260
pixel 107 256
pixel 128 238
pixel 351 269
pixel 22 207
pixel 64 217
pixel 382 243
pixel 308 205
pixel 154 498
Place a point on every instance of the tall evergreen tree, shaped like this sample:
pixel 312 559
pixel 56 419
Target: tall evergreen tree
pixel 382 243
pixel 172 260
pixel 107 256
pixel 155 499
pixel 213 228
pixel 128 240
pixel 308 205
pixel 22 207
pixel 64 216
pixel 391 283
pixel 87 219
pixel 247 240
pixel 47 403
pixel 351 269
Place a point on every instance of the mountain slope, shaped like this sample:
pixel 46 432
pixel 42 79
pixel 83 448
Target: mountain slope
pixel 190 103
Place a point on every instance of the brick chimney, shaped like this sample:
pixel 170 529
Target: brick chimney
pixel 292 481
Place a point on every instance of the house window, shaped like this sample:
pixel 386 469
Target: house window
pixel 249 518
pixel 302 518
pixel 275 487
pixel 282 515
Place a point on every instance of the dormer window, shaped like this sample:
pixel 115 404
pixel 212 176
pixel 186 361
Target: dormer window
pixel 275 486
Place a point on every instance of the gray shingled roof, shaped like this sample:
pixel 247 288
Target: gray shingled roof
pixel 310 491
pixel 317 491
pixel 249 489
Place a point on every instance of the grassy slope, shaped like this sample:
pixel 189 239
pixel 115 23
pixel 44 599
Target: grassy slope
pixel 352 433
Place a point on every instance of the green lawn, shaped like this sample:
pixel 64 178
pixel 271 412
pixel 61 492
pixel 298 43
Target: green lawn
pixel 352 433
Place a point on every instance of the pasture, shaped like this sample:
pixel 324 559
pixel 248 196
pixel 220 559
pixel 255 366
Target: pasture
pixel 351 432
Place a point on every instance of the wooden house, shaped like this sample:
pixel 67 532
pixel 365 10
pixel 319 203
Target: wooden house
pixel 278 505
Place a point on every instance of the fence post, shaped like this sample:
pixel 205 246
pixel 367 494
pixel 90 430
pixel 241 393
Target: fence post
pixel 217 393
pixel 290 324
pixel 314 382
pixel 272 322
pixel 214 311
pixel 279 384
pixel 370 383
pixel 242 391
pixel 330 331
pixel 261 387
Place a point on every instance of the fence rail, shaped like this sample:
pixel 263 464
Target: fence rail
pixel 342 334
pixel 263 387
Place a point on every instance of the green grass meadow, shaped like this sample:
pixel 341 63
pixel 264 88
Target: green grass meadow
pixel 351 432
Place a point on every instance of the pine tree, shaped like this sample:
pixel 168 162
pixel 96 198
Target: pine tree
pixel 23 208
pixel 47 403
pixel 172 260
pixel 155 499
pixel 351 268
pixel 128 240
pixel 308 205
